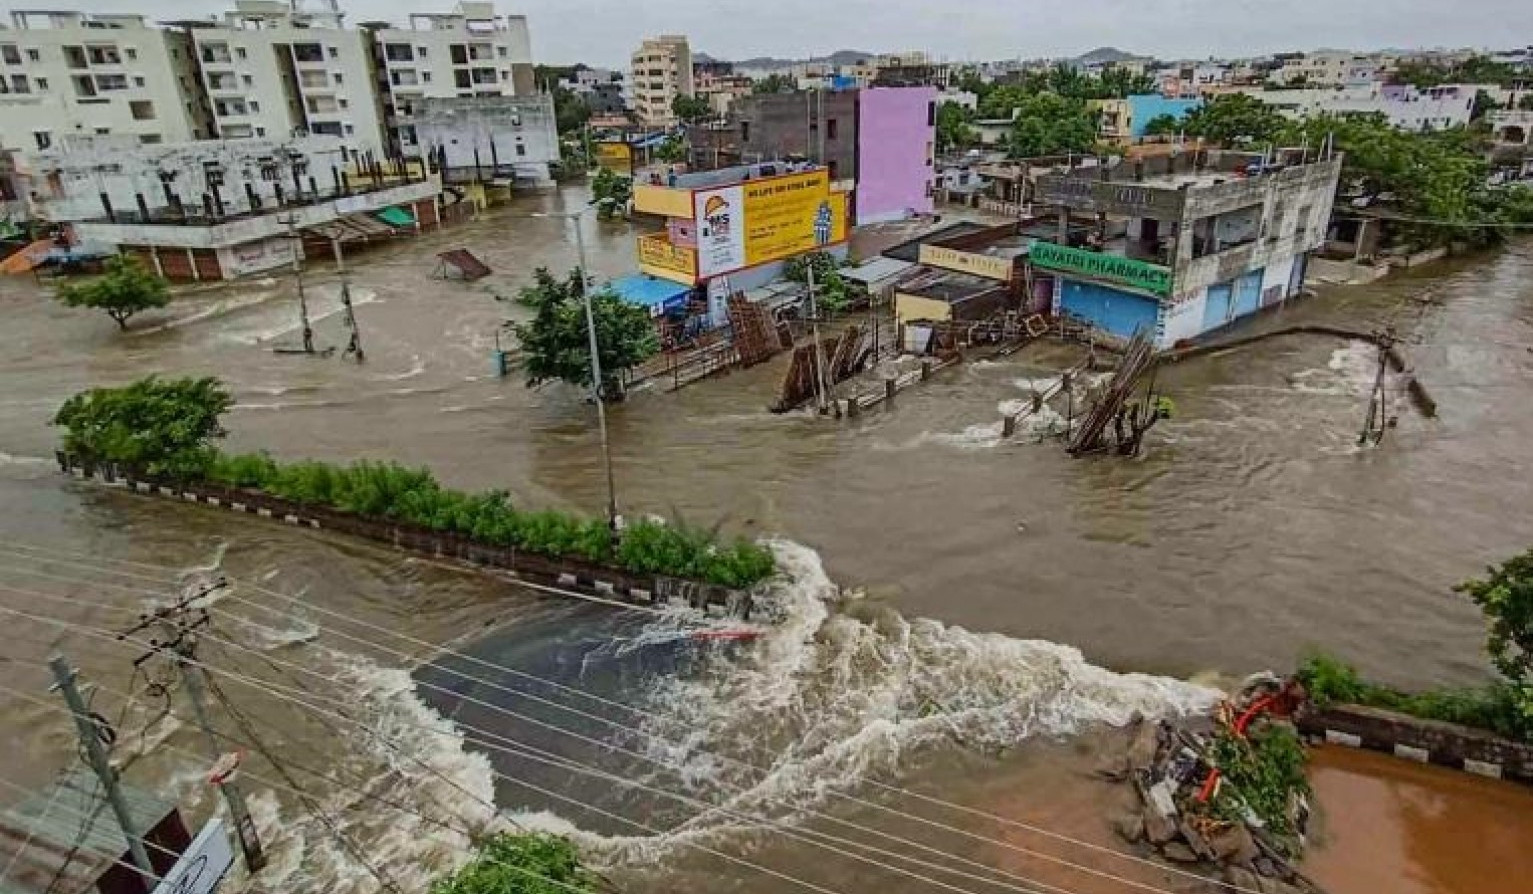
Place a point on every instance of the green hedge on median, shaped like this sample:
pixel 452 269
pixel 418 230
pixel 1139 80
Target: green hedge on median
pixel 389 490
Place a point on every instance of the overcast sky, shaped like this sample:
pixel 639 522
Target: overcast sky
pixel 604 32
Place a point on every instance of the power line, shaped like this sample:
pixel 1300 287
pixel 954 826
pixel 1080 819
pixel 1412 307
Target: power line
pixel 639 712
pixel 89 820
pixel 466 832
pixel 797 835
pixel 265 687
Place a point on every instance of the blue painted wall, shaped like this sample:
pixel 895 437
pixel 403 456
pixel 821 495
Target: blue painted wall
pixel 1216 311
pixel 1147 106
pixel 1248 293
pixel 1121 313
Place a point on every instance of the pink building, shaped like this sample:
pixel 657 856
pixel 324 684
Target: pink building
pixel 896 147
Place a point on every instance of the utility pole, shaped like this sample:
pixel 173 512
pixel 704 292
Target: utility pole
pixel 90 739
pixel 814 332
pixel 303 304
pixel 354 344
pixel 181 644
pixel 596 379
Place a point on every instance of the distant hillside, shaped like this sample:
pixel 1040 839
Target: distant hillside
pixel 1103 55
pixel 839 57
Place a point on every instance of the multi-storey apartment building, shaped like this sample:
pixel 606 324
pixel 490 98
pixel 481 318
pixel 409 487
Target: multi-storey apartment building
pixel 68 73
pixel 468 52
pixel 662 70
pixel 271 71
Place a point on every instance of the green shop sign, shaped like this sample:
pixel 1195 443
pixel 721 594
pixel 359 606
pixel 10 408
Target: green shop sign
pixel 1151 278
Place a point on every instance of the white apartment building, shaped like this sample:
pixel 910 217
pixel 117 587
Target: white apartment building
pixel 490 138
pixel 1332 68
pixel 68 73
pixel 468 52
pixel 662 70
pixel 1407 108
pixel 274 72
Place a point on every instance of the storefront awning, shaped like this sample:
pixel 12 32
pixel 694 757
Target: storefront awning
pixel 659 295
pixel 397 217
pixel 358 227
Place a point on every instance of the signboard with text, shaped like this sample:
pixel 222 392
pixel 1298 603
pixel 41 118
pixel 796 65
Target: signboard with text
pixel 658 257
pixel 966 262
pixel 202 865
pixel 1092 194
pixel 766 220
pixel 1140 275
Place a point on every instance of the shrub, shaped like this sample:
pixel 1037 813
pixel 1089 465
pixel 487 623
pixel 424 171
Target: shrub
pixel 1263 773
pixel 520 864
pixel 1497 707
pixel 162 426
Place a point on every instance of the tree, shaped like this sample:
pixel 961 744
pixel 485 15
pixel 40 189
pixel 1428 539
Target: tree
pixel 508 863
pixel 556 345
pixel 953 130
pixel 125 289
pixel 159 426
pixel 1163 126
pixel 571 111
pixel 775 83
pixel 672 150
pixel 610 193
pixel 1483 105
pixel 1505 596
pixel 691 109
pixel 1049 124
pixel 1526 103
pixel 1235 119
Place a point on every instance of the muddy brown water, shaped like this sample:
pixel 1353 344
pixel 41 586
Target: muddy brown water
pixel 1252 529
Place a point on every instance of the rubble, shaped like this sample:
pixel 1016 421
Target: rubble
pixel 1224 790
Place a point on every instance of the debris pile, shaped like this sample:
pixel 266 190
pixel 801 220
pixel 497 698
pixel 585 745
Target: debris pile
pixel 1226 790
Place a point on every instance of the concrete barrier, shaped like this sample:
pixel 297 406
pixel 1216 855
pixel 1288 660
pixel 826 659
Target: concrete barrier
pixel 1425 741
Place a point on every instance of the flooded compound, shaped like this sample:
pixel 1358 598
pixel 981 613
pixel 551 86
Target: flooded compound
pixel 962 609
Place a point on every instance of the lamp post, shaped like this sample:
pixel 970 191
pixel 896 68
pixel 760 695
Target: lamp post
pixel 596 379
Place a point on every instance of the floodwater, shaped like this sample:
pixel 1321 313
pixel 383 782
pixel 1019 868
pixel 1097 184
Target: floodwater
pixel 938 573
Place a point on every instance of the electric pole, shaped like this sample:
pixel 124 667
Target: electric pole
pixel 303 305
pixel 354 344
pixel 181 644
pixel 90 739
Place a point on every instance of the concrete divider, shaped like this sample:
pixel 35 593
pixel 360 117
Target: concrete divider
pixel 1425 741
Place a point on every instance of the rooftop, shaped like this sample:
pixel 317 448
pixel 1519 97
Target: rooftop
pixel 951 287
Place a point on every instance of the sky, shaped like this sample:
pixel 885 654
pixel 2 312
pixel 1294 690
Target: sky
pixel 605 32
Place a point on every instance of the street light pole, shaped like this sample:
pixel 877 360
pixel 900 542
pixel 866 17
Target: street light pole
pixel 596 379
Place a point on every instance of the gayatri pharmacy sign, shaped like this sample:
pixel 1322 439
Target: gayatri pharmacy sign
pixel 1151 278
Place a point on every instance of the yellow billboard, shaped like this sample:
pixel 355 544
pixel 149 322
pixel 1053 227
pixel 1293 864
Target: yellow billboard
pixel 757 221
pixel 658 257
pixel 617 156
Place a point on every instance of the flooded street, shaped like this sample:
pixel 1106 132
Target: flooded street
pixel 972 569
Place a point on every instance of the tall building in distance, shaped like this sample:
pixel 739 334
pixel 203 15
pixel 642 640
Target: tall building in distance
pixel 275 72
pixel 69 73
pixel 662 71
pixel 468 52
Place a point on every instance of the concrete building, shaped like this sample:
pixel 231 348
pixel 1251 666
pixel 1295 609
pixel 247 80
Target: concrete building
pixel 662 71
pixel 274 72
pixel 221 209
pixel 819 126
pixel 1332 68
pixel 722 90
pixel 1124 121
pixel 467 52
pixel 1406 107
pixel 896 150
pixel 66 73
pixel 1181 245
pixel 490 137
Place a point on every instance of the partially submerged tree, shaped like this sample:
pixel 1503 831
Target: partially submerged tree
pixel 161 426
pixel 610 193
pixel 124 290
pixel 556 345
pixel 1505 595
pixel 531 863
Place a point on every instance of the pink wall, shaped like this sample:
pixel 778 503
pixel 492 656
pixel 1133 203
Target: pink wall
pixel 893 136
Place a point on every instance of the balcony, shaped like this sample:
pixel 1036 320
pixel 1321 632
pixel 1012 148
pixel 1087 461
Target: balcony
pixel 659 257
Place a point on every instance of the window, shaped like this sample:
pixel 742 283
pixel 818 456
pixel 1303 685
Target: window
pixel 106 55
pixel 421 52
pixel 255 106
pixel 150 139
pixel 84 86
pixel 398 52
pixel 74 57
pixel 141 109
pixel 34 56
pixel 131 53
pixel 745 131
pixel 42 84
pixel 460 79
pixel 338 79
pixel 831 169
pixel 19 84
pixel 111 82
pixel 502 51
pixel 103 130
pixel 10 54
pixel 334 53
pixel 343 102
pixel 425 77
pixel 459 54
pixel 261 132
pixel 138 82
pixel 931 114
pixel 248 80
pixel 44 139
pixel 349 131
pixel 522 150
pixel 239 53
pixel 830 129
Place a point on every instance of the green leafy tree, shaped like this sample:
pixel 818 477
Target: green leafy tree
pixel 556 345
pixel 1236 120
pixel 775 83
pixel 509 863
pixel 1505 596
pixel 123 291
pixel 1484 104
pixel 953 130
pixel 160 426
pixel 1474 70
pixel 1163 126
pixel 672 150
pixel 1050 124
pixel 691 109
pixel 571 111
pixel 610 193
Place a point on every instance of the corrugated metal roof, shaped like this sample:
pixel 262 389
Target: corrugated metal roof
pixel 54 817
pixel 879 268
